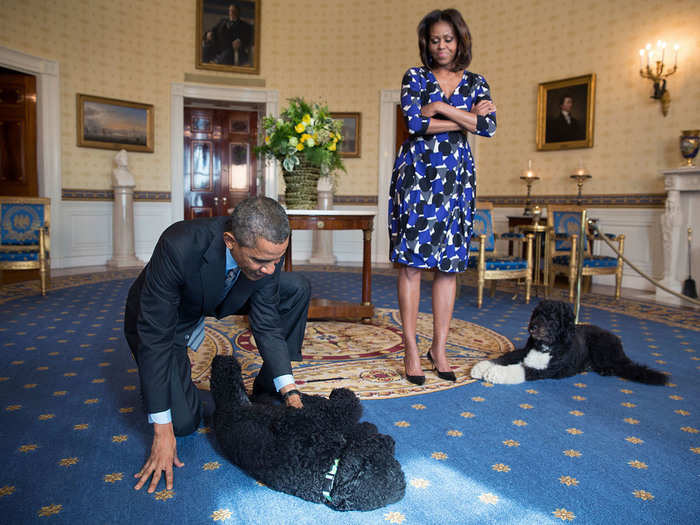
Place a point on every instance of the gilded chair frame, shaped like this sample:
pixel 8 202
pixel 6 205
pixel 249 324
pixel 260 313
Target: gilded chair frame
pixel 42 263
pixel 484 275
pixel 570 270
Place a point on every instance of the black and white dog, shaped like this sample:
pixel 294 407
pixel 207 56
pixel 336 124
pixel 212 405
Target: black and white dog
pixel 558 348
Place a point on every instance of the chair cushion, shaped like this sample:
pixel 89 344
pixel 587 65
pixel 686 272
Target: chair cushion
pixel 482 224
pixel 500 263
pixel 20 223
pixel 593 261
pixel 19 256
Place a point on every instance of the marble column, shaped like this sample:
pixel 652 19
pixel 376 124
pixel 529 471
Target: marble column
pixel 123 251
pixel 322 247
pixel 682 202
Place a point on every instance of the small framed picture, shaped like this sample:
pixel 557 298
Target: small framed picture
pixel 565 110
pixel 228 36
pixel 109 123
pixel 350 145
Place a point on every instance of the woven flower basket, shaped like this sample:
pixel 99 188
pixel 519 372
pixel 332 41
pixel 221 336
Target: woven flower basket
pixel 300 192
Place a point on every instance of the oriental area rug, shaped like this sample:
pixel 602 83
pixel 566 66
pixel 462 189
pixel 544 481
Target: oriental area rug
pixel 586 449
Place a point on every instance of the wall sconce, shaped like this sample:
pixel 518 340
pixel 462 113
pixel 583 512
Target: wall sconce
pixel 654 71
pixel 529 177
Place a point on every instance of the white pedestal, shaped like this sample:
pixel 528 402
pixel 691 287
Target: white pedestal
pixel 682 205
pixel 322 247
pixel 123 251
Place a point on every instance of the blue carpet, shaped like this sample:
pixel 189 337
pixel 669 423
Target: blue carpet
pixel 588 449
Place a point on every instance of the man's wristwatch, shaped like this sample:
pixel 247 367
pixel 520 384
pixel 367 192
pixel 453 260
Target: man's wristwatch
pixel 290 393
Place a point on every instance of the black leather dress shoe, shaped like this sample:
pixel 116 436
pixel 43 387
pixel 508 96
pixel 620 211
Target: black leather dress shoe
pixel 447 376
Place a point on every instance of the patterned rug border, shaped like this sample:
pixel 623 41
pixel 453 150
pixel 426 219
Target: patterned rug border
pixel 676 316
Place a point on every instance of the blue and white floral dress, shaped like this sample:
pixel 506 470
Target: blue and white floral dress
pixel 431 198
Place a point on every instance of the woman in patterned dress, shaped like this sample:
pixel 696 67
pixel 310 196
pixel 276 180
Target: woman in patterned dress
pixel 431 199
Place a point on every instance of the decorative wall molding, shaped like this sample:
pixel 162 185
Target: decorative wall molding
pixel 72 194
pixel 654 200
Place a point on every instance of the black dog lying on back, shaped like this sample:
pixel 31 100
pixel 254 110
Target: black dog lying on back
pixel 320 453
pixel 558 348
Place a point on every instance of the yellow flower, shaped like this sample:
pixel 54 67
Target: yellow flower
pixel 306 119
pixel 267 140
pixel 305 136
pixel 315 136
pixel 299 128
pixel 300 146
pixel 332 147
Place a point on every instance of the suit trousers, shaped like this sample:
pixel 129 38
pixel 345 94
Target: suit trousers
pixel 186 408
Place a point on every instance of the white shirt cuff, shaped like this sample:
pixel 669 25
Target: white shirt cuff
pixel 282 381
pixel 162 418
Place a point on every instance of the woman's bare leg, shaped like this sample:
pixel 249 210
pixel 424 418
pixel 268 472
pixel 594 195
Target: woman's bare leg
pixel 444 289
pixel 408 285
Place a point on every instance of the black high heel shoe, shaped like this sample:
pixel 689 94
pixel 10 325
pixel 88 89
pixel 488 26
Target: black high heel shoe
pixel 416 380
pixel 447 376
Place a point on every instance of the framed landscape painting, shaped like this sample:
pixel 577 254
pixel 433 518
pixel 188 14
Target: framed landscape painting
pixel 565 110
pixel 109 123
pixel 228 36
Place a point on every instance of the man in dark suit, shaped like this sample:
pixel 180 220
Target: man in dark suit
pixel 217 267
pixel 229 41
pixel 564 127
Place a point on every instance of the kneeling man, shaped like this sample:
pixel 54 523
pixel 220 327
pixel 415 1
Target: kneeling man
pixel 216 267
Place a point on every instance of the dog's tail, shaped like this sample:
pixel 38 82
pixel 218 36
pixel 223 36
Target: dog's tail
pixel 640 373
pixel 227 383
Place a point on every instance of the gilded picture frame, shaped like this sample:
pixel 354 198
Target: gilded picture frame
pixel 565 112
pixel 228 36
pixel 349 147
pixel 109 123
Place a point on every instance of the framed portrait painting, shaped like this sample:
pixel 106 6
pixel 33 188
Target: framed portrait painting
pixel 565 110
pixel 350 145
pixel 228 36
pixel 109 123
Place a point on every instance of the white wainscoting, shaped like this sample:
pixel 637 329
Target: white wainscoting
pixel 85 237
pixel 643 242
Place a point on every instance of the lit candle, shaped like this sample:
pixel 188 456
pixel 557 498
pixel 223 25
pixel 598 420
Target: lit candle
pixel 663 51
pixel 580 170
pixel 641 59
pixel 648 46
pixel 675 54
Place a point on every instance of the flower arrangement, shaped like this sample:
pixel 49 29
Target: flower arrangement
pixel 304 132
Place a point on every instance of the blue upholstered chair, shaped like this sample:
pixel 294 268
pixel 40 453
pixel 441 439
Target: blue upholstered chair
pixel 566 221
pixel 24 235
pixel 490 266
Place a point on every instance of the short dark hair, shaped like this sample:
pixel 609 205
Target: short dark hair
pixel 564 97
pixel 257 217
pixel 464 37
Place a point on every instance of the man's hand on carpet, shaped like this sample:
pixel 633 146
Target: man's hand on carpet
pixel 293 399
pixel 163 457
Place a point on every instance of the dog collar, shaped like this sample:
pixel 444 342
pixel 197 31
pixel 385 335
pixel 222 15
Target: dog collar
pixel 329 479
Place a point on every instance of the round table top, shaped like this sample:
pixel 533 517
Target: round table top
pixel 536 228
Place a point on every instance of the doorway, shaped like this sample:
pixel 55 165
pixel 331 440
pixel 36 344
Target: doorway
pixel 220 166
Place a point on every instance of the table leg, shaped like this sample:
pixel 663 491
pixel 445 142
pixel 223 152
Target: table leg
pixel 367 267
pixel 288 255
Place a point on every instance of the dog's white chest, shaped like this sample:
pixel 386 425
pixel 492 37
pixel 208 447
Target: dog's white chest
pixel 537 360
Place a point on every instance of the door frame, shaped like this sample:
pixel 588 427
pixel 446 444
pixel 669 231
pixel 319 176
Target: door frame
pixel 48 134
pixel 181 90
pixel 388 99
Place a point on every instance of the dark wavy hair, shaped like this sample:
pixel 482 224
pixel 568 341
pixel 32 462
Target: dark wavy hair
pixel 459 26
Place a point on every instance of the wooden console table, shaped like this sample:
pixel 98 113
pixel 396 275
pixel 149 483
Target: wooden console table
pixel 338 220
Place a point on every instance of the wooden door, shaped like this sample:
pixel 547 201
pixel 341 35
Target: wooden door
pixel 18 166
pixel 220 164
pixel 401 129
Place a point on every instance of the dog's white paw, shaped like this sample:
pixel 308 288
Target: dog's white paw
pixel 505 375
pixel 481 367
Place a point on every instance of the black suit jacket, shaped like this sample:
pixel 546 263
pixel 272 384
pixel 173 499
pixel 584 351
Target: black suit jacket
pixel 183 281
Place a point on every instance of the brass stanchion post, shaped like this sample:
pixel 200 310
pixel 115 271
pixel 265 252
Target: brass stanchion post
pixel 582 239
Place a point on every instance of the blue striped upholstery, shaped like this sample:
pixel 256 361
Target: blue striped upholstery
pixel 19 256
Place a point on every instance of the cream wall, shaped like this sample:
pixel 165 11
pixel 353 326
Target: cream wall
pixel 345 52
